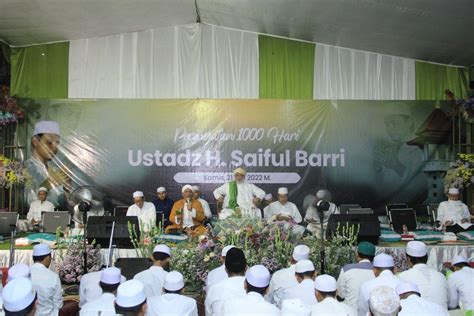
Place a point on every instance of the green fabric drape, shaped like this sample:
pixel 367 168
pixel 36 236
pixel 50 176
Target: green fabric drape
pixel 233 195
pixel 286 68
pixel 432 80
pixel 40 71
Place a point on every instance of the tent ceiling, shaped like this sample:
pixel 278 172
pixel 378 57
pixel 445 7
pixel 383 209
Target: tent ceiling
pixel 432 30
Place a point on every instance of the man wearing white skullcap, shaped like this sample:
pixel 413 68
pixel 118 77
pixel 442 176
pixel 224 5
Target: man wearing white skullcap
pixel 283 210
pixel 219 273
pixel 131 299
pixel 39 206
pixel 239 195
pixel 461 284
pixel 19 298
pixel 304 290
pixel 256 284
pixel 432 284
pixel 19 270
pixel 145 211
pixel 163 205
pixel 45 282
pixel 312 215
pixel 44 147
pixel 454 214
pixel 285 278
pixel 325 288
pixel 294 307
pixel 413 304
pixel 187 215
pixel 384 301
pixel 89 287
pixel 383 271
pixel 154 277
pixel 205 205
pixel 172 302
pixel 230 288
pixel 110 280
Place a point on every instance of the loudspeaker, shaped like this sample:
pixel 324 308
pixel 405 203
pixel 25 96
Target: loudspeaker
pixel 132 266
pixel 369 226
pixel 100 229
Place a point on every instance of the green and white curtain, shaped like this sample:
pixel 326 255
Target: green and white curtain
pixel 205 61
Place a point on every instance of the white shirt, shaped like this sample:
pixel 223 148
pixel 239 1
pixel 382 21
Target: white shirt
pixel 461 288
pixel 188 216
pixel 89 288
pixel 281 280
pixel 351 277
pixel 251 304
pixel 48 288
pixel 206 208
pixel 245 194
pixel 227 289
pixel 2 313
pixel 303 291
pixel 103 306
pixel 215 276
pixel 171 305
pixel 37 208
pixel 146 215
pixel 153 280
pixel 414 305
pixel 331 307
pixel 287 209
pixel 432 284
pixel 386 277
pixel 452 211
pixel 312 213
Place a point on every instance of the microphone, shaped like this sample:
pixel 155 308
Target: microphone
pixel 322 206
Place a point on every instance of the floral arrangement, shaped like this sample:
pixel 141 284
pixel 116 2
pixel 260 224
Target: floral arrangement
pixel 9 110
pixel 460 174
pixel 466 106
pixel 71 252
pixel 144 243
pixel 13 172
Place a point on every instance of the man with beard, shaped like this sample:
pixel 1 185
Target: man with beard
pixel 187 215
pixel 154 277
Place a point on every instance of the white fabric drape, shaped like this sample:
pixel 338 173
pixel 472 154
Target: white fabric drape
pixel 191 61
pixel 341 73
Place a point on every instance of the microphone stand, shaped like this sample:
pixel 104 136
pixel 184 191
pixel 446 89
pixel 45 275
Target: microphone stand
pixel 84 207
pixel 321 250
pixel 109 257
pixel 12 245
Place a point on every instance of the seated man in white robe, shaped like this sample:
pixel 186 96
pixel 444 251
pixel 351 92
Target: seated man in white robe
pixel 312 215
pixel 218 274
pixel 283 210
pixel 154 277
pixel 110 279
pixel 131 299
pixel 144 210
pixel 239 196
pixel 35 213
pixel 413 304
pixel 205 205
pixel 454 214
pixel 19 298
pixel 305 274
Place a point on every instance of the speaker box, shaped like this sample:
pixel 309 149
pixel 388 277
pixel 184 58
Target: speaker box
pixel 99 228
pixel 369 226
pixel 132 266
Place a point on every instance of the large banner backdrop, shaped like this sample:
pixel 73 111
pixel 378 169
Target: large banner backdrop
pixel 356 149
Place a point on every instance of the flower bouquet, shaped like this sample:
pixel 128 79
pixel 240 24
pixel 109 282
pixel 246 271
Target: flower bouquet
pixel 9 110
pixel 13 172
pixel 460 174
pixel 466 106
pixel 145 243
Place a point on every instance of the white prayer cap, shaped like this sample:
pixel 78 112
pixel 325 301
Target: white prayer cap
pixel 196 188
pixel 162 249
pixel 42 189
pixel 459 259
pixel 453 191
pixel 301 252
pixel 187 187
pixel 41 250
pixel 283 190
pixel 416 249
pixel 383 301
pixel 294 307
pixel 406 287
pixel 19 270
pixel 383 261
pixel 174 281
pixel 258 276
pixel 161 189
pixel 130 294
pixel 18 294
pixel 325 283
pixel 241 171
pixel 111 275
pixel 303 266
pixel 268 197
pixel 137 194
pixel 225 249
pixel 46 127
